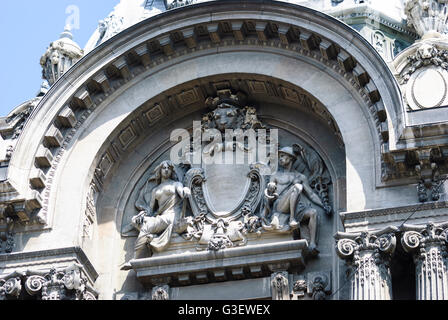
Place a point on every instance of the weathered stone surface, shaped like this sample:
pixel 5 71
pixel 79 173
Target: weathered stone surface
pixel 77 167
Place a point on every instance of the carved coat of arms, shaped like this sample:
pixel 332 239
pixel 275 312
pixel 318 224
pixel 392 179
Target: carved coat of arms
pixel 226 190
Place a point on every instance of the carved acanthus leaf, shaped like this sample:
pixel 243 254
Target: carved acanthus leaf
pixel 419 236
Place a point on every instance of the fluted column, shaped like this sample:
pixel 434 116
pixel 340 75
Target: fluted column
pixel 428 244
pixel 368 255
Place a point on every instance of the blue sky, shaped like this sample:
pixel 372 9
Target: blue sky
pixel 26 29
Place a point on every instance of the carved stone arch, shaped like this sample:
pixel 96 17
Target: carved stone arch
pixel 67 137
pixel 132 168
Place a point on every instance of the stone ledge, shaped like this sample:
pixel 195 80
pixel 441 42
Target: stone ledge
pixel 241 261
pixel 397 210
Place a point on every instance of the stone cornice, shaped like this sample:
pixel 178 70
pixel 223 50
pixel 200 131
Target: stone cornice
pixel 420 236
pixel 241 262
pixel 28 259
pixel 366 12
pixel 347 216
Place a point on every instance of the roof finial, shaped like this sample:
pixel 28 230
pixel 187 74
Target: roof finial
pixel 67 32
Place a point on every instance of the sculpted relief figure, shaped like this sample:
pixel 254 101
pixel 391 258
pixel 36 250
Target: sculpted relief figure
pixel 284 193
pixel 231 202
pixel 165 213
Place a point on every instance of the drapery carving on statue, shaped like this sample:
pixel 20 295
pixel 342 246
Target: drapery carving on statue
pixel 162 206
pixel 283 209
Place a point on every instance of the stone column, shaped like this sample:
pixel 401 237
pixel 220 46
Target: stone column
pixel 368 255
pixel 428 244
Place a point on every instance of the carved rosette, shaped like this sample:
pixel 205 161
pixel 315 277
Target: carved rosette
pixel 428 244
pixel 368 255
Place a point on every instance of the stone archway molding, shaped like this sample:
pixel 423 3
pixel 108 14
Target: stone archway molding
pixel 221 28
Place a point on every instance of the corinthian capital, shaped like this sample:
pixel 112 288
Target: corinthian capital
pixel 59 284
pixel 349 245
pixel 420 236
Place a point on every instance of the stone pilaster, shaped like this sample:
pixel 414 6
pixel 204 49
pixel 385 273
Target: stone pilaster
pixel 368 255
pixel 428 244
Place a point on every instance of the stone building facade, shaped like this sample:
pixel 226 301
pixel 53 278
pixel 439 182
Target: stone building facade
pixel 106 190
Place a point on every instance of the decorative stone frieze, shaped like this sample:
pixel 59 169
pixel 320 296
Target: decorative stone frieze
pixel 428 244
pixel 90 213
pixel 56 284
pixel 149 54
pixel 238 263
pixel 426 165
pixel 6 229
pixel 312 286
pixel 368 255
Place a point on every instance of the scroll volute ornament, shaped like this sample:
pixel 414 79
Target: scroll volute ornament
pixel 416 236
pixel 349 245
pixel 59 284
